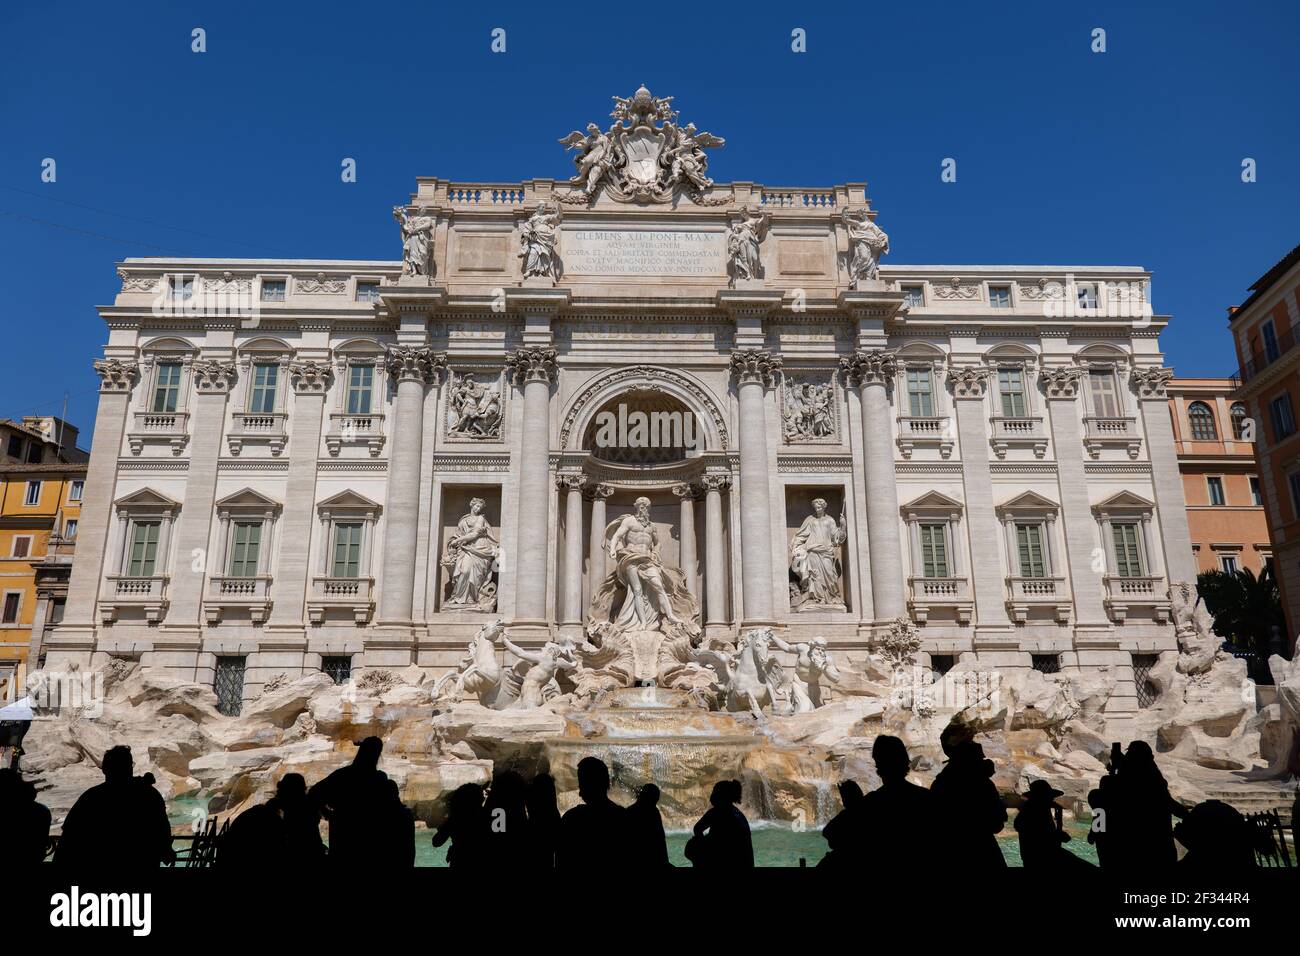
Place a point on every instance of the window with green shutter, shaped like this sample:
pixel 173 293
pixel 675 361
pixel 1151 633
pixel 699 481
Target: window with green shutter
pixel 262 397
pixel 934 551
pixel 361 381
pixel 1011 386
pixel 1029 543
pixel 1128 558
pixel 144 548
pixel 167 387
pixel 347 550
pixel 920 396
pixel 247 543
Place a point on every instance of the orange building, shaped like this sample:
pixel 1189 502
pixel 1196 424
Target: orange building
pixel 1264 329
pixel 1225 509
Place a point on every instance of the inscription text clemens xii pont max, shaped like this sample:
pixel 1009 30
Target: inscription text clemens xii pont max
pixel 640 252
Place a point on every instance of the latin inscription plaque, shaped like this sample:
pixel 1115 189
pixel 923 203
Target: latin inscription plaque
pixel 643 252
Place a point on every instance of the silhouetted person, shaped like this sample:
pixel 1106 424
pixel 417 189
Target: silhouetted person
pixel 465 826
pixel 507 842
pixel 838 831
pixel 896 821
pixel 594 830
pixel 354 799
pixel 543 821
pixel 1100 799
pixel 284 832
pixel 1042 831
pixel 398 829
pixel 121 823
pixel 721 837
pixel 1218 839
pixel 1139 824
pixel 24 823
pixel 970 813
pixel 647 842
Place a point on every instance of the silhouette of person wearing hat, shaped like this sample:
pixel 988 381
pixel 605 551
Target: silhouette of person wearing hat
pixel 1139 823
pixel 1042 832
pixel 969 808
pixel 1218 839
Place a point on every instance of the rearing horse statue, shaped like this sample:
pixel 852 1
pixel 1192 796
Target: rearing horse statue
pixel 747 675
pixel 479 671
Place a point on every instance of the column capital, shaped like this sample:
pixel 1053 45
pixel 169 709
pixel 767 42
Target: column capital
pixel 310 378
pixel 715 482
pixel 870 366
pixel 415 363
pixel 1062 382
pixel 969 381
pixel 686 491
pixel 600 491
pixel 214 376
pixel 1152 382
pixel 755 366
pixel 532 363
pixel 570 481
pixel 116 375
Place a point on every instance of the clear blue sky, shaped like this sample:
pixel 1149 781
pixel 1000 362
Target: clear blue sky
pixel 1064 156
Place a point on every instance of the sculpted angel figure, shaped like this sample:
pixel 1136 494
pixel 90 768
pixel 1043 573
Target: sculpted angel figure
pixel 867 243
pixel 538 238
pixel 686 160
pixel 634 547
pixel 546 663
pixel 417 241
pixel 595 157
pixel 815 559
pixel 743 239
pixel 812 663
pixel 472 556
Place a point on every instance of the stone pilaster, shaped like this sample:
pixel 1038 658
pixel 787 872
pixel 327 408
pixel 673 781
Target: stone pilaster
pixel 715 551
pixel 213 379
pixel 292 572
pixel 596 551
pixel 1171 505
pixel 969 387
pixel 533 369
pixel 871 371
pixel 687 559
pixel 412 368
pixel 572 486
pixel 755 370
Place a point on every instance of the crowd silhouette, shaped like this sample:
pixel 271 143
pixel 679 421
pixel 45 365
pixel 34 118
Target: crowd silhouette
pixel 513 822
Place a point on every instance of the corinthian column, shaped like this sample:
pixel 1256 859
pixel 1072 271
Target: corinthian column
pixel 755 371
pixel 572 485
pixel 870 372
pixel 596 552
pixel 687 558
pixel 412 368
pixel 715 555
pixel 533 369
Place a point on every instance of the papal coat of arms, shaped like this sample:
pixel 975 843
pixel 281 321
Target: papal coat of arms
pixel 643 155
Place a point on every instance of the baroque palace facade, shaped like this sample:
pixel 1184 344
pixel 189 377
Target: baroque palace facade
pixel 367 461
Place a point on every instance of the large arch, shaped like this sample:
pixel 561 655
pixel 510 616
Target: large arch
pixel 644 378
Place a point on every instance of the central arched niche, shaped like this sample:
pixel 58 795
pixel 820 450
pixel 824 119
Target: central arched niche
pixel 643 426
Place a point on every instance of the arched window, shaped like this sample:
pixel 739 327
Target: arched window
pixel 1238 421
pixel 1202 419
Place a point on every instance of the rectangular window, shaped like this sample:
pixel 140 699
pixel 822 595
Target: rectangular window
pixel 920 396
pixel 1086 295
pixel 1105 394
pixel 367 291
pixel 934 551
pixel 1033 555
pixel 246 544
pixel 32 496
pixel 1229 563
pixel 1000 296
pixel 1283 416
pixel 167 387
pixel 1215 485
pixel 143 557
pixel 70 528
pixel 16 447
pixel 941 664
pixel 22 546
pixel 182 287
pixel 12 600
pixel 228 682
pixel 1147 692
pixel 913 296
pixel 1011 386
pixel 1270 341
pixel 1046 663
pixel 1293 480
pixel 1255 497
pixel 76 490
pixel 262 397
pixel 273 290
pixel 361 385
pixel 34 453
pixel 347 549
pixel 57 606
pixel 1128 554
pixel 337 667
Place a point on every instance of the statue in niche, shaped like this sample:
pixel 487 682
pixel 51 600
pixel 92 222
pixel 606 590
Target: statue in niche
pixel 417 242
pixel 634 547
pixel 743 239
pixel 809 414
pixel 474 409
pixel 867 243
pixel 538 238
pixel 815 561
pixel 812 663
pixel 471 558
